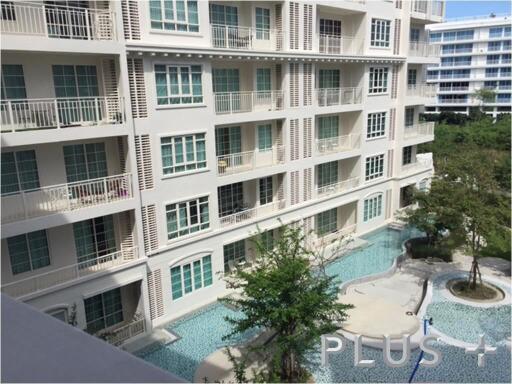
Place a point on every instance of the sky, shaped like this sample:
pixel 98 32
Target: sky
pixel 463 8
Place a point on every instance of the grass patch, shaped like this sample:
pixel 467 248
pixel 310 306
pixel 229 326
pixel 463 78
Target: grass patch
pixel 461 288
pixel 420 249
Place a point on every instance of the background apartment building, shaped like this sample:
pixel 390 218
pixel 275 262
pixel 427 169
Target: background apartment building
pixel 475 54
pixel 143 143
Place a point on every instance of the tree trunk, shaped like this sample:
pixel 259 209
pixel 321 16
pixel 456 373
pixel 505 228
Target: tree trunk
pixel 474 273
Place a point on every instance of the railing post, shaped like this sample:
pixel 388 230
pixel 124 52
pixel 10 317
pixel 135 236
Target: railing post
pixel 11 115
pixel 96 108
pixel 57 116
pixel 45 23
pixel 87 26
pixel 24 203
pixel 230 98
pixel 105 191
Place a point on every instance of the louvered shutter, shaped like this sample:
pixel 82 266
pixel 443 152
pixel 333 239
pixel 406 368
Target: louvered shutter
pixel 126 224
pixel 394 81
pixel 387 208
pixel 294 139
pixel 398 4
pixel 308 83
pixel 390 161
pixel 294 25
pixel 111 91
pixel 396 38
pixel 279 27
pixel 155 293
pixel 294 187
pixel 149 228
pixel 392 123
pixel 308 185
pixel 308 27
pixel 144 163
pixel 307 137
pixel 137 88
pixel 294 84
pixel 131 24
pixel 280 187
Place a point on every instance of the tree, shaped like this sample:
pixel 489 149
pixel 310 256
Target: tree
pixel 484 95
pixel 288 297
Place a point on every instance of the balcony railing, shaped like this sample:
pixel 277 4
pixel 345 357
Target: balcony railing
pixel 330 238
pixel 338 143
pixel 421 90
pixel 53 21
pixel 454 88
pixel 246 161
pixel 119 334
pixel 422 162
pixel 338 96
pixel 65 197
pixel 69 273
pixel 251 213
pixel 35 114
pixel 420 129
pixel 246 38
pixel 340 45
pixel 423 49
pixel 342 186
pixel 239 102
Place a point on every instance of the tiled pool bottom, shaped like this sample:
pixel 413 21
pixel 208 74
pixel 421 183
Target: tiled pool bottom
pixel 466 322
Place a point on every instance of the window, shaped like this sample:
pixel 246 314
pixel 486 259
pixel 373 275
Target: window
pixel 449 36
pixel 491 72
pixel 263 80
pixel 423 185
pixel 94 238
pixel 507 31
pixel 223 15
pixel 330 27
pixel 503 98
pixel 374 167
pixel 328 127
pixel 372 208
pixel 103 310
pixel 465 35
pixel 264 137
pixel 505 59
pixel 505 72
pixel 233 253
pixel 28 252
pixel 174 15
pixel 228 140
pixel 435 37
pixel 231 199
pixel 494 46
pixel 8 12
pixel 19 171
pixel 266 193
pixel 411 76
pixel 409 117
pixel 187 217
pixel 13 80
pixel 378 80
pixel 407 155
pixel 60 314
pixel 226 80
pixel 376 126
pixel 414 35
pixel 493 59
pixel 183 153
pixel 495 32
pixel 178 84
pixel 190 277
pixel 327 222
pixel 267 240
pixel 327 174
pixel 380 33
pixel 262 23
pixel 329 78
pixel 85 161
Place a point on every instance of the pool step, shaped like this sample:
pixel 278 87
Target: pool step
pixel 397 225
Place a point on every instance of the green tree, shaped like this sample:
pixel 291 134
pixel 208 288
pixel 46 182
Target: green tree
pixel 284 294
pixel 484 95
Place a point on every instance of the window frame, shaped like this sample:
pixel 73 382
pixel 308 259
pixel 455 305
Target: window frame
pixel 329 219
pixel 29 251
pixel 262 33
pixel 189 166
pixel 264 132
pixel 181 97
pixel 204 276
pixel 201 202
pixel 374 167
pixel 372 207
pixel 376 124
pixel 239 252
pixel 265 190
pixel 407 155
pixel 20 184
pixel 378 81
pixel 190 27
pixel 380 33
pixel 105 315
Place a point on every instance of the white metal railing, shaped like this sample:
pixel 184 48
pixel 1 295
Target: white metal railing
pixel 119 334
pixel 427 8
pixel 424 49
pixel 68 273
pixel 247 38
pixel 342 186
pixel 422 161
pixel 454 88
pixel 420 129
pixel 54 21
pixel 421 90
pixel 329 238
pixel 340 45
pixel 338 96
pixel 248 101
pixel 455 101
pixel 245 161
pixel 65 197
pixel 338 143
pixel 251 213
pixel 33 114
pixel 478 17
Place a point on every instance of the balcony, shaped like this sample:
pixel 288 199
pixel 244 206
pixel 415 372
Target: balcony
pixel 247 214
pixel 421 130
pixel 427 10
pixel 321 241
pixel 52 21
pixel 338 144
pixel 424 49
pixel 340 45
pixel 70 273
pixel 65 197
pixel 119 334
pixel 247 161
pixel 422 162
pixel 338 96
pixel 248 101
pixel 39 114
pixel 342 186
pixel 246 38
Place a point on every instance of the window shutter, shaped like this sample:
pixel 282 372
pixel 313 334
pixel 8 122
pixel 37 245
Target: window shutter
pixel 155 293
pixel 111 91
pixel 126 223
pixel 294 139
pixel 308 83
pixel 307 137
pixel 398 4
pixel 392 123
pixel 396 38
pixel 294 84
pixel 137 88
pixel 122 154
pixel 294 25
pixel 307 184
pixel 131 22
pixel 279 28
pixel 149 228
pixel 388 204
pixel 280 187
pixel 308 27
pixel 390 161
pixel 394 81
pixel 308 229
pixel 144 163
pixel 294 187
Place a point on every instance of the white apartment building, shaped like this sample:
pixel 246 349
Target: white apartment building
pixel 475 54
pixel 143 143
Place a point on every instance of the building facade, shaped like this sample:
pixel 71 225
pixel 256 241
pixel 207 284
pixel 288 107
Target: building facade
pixel 475 54
pixel 143 143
